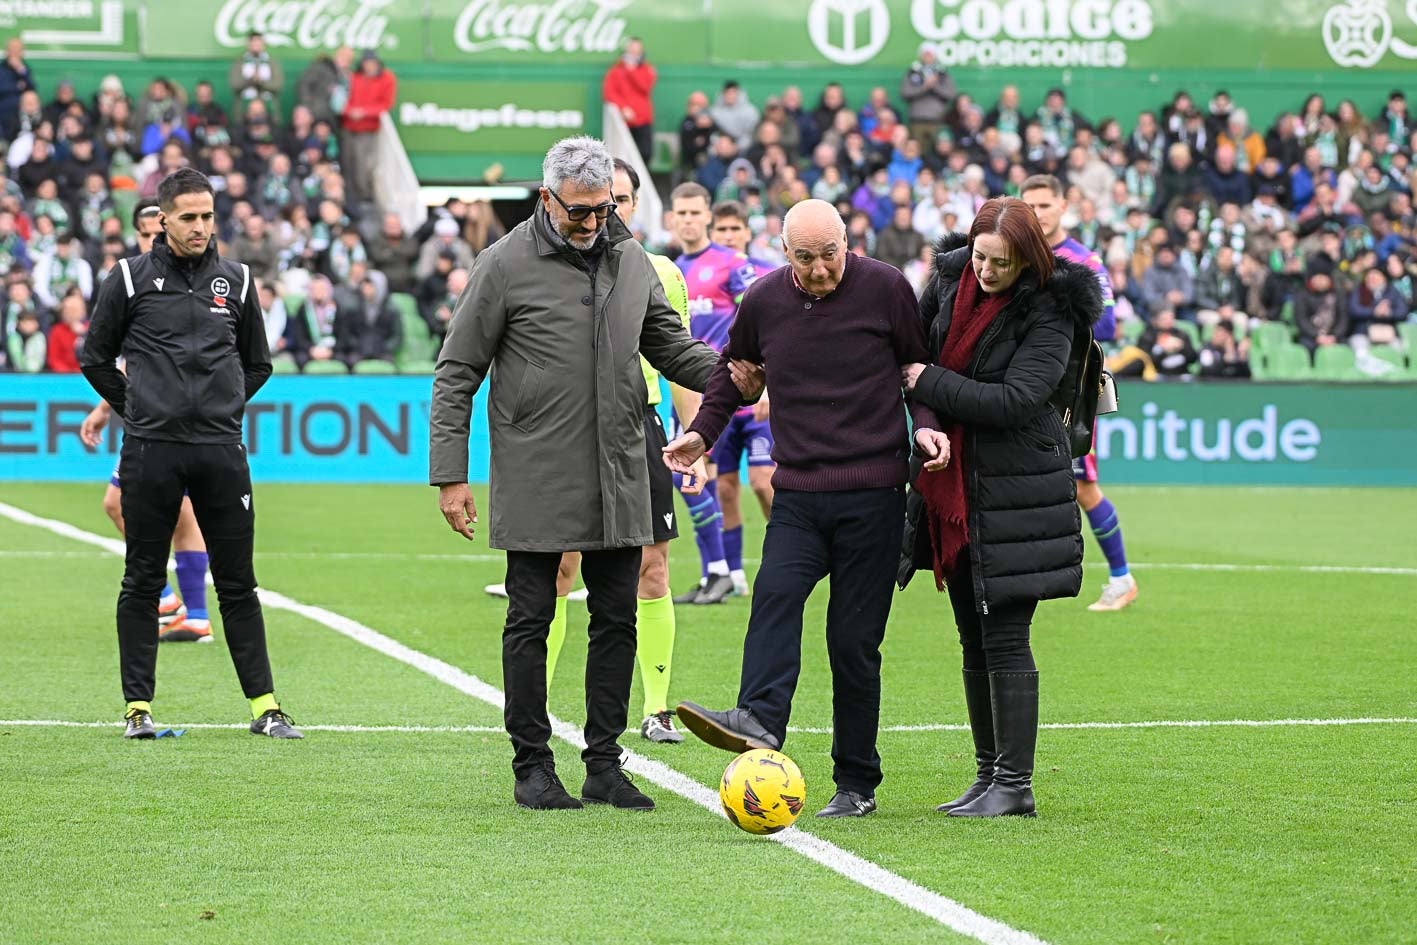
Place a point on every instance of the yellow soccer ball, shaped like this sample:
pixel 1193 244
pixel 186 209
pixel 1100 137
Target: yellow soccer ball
pixel 762 791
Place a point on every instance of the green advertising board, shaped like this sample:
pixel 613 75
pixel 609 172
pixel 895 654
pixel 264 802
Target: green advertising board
pixel 84 29
pixel 1296 35
pixel 1262 434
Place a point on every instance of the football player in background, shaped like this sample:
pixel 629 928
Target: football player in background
pixel 1045 194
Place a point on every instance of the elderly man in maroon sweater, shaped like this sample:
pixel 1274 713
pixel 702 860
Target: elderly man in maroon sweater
pixel 830 331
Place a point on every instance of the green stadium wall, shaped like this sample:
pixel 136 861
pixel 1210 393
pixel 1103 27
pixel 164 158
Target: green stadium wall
pixel 1113 57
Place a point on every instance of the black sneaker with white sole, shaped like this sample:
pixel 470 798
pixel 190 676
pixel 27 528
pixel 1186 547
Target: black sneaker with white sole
pixel 275 724
pixel 139 724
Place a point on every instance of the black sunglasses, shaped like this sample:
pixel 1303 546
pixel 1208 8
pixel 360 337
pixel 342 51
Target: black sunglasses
pixel 578 213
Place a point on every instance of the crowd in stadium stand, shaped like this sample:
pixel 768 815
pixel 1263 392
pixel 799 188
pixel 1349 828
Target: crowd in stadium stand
pixel 1296 235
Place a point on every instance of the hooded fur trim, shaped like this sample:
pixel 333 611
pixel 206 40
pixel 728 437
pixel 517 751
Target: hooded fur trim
pixel 1073 286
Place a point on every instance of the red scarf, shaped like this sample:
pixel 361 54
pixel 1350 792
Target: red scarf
pixel 946 498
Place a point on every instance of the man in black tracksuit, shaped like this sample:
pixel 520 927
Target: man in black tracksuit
pixel 188 324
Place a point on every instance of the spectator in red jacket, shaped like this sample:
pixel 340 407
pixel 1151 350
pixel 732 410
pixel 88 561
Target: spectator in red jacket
pixel 66 336
pixel 627 86
pixel 371 94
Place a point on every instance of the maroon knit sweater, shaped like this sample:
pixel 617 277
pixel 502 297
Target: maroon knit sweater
pixel 833 372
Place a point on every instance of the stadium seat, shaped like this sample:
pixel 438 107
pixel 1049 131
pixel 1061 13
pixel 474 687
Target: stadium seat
pixel 1132 329
pixel 1335 363
pixel 418 343
pixel 1391 355
pixel 1288 363
pixel 1270 335
pixel 326 367
pixel 418 367
pixel 1407 331
pixel 375 366
pixel 284 366
pixel 1191 331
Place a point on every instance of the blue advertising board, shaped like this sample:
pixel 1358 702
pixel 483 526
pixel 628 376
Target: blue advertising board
pixel 298 429
pixel 375 429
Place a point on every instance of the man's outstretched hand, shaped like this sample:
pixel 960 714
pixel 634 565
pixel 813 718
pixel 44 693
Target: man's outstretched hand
pixel 681 455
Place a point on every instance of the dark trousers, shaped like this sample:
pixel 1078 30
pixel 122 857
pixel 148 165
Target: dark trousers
pixel 644 141
pixel 996 642
pixel 854 539
pixel 154 474
pixel 612 578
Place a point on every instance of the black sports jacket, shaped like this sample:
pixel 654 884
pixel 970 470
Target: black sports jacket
pixel 194 341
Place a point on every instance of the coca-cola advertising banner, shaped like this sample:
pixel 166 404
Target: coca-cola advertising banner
pixel 1300 35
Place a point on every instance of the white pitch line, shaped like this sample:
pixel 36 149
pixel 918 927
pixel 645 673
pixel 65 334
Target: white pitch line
pixel 946 911
pixel 796 730
pixel 241 726
pixel 1159 723
pixel 497 559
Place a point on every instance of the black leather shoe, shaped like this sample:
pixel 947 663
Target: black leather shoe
pixel 543 790
pixel 736 730
pixel 848 804
pixel 614 787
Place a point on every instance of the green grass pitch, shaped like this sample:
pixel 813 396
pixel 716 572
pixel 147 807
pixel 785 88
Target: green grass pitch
pixel 1207 834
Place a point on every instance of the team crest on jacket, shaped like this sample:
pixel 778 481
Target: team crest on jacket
pixel 220 287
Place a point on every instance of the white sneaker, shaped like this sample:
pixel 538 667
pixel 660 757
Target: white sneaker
pixel 740 584
pixel 579 595
pixel 495 590
pixel 1116 594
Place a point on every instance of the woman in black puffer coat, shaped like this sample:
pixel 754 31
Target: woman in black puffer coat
pixel 1000 525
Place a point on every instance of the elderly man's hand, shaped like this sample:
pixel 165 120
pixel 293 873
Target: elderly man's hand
pixel 909 374
pixel 681 455
pixel 749 378
pixel 936 447
pixel 455 502
pixel 696 478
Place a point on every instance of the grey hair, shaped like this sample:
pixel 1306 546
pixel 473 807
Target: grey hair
pixel 582 160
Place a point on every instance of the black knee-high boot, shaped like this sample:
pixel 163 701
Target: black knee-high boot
pixel 1015 705
pixel 981 725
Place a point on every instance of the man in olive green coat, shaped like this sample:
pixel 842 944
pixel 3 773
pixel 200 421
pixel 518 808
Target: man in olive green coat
pixel 559 311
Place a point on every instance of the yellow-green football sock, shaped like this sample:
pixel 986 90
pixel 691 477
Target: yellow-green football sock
pixel 654 646
pixel 263 704
pixel 141 706
pixel 554 640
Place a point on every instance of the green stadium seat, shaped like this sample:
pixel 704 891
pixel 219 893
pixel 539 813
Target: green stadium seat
pixel 1391 355
pixel 375 366
pixel 418 343
pixel 1288 363
pixel 1132 329
pixel 284 366
pixel 1191 331
pixel 326 367
pixel 1335 363
pixel 1269 335
pixel 1407 331
pixel 418 367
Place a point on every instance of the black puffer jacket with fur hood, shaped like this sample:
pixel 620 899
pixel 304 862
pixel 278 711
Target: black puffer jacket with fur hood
pixel 1025 539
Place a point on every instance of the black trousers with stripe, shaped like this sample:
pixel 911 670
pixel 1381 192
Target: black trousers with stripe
pixel 154 474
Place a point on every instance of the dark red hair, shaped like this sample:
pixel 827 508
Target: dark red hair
pixel 1015 221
